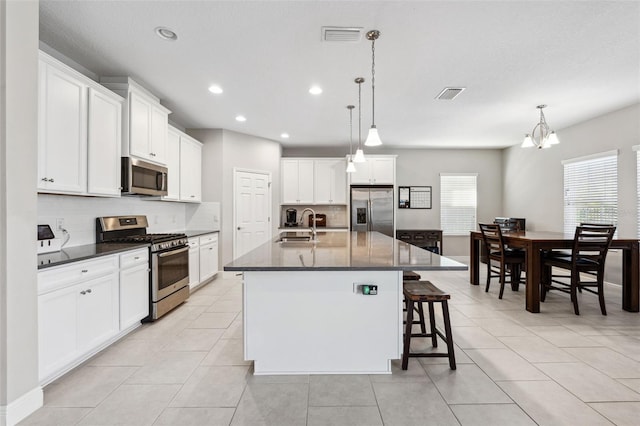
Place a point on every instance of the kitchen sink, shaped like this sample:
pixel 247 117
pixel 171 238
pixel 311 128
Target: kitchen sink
pixel 297 238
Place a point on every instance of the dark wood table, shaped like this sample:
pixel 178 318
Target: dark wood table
pixel 535 241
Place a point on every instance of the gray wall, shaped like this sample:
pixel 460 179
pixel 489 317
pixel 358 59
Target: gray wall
pixel 422 167
pixel 18 144
pixel 533 179
pixel 224 150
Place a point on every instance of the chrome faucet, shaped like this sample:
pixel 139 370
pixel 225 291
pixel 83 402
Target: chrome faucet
pixel 314 231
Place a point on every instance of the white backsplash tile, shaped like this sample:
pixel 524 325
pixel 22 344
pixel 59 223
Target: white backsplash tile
pixel 80 213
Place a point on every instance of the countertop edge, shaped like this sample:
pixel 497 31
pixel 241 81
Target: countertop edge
pixel 345 268
pixel 116 249
pixel 197 233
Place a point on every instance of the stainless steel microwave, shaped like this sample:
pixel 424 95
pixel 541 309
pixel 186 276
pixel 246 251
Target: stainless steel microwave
pixel 143 178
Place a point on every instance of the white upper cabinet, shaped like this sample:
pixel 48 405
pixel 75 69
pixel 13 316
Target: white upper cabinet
pixel 173 165
pixel 184 161
pixel 377 170
pixel 104 143
pixel 190 169
pixel 62 132
pixel 146 121
pixel 79 133
pixel 297 181
pixel 314 181
pixel 330 181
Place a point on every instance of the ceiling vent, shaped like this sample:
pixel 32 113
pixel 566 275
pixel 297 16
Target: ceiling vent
pixel 342 34
pixel 449 93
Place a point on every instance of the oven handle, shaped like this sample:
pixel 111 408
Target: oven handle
pixel 172 252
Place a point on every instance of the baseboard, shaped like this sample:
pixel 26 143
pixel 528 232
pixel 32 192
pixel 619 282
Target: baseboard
pixel 22 407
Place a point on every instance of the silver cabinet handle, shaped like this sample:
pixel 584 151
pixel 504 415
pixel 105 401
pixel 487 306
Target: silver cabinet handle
pixel 239 228
pixel 83 292
pixel 88 290
pixel 84 271
pixel 210 248
pixel 51 180
pixel 136 258
pixel 44 179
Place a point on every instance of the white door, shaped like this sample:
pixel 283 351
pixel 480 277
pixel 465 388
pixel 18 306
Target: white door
pixel 252 207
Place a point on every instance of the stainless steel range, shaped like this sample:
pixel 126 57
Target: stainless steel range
pixel 169 259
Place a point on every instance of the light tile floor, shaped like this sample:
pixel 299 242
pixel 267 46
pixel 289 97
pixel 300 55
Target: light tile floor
pixel 514 368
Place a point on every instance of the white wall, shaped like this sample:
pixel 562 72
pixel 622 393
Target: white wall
pixel 533 179
pixel 224 150
pixel 20 392
pixel 422 167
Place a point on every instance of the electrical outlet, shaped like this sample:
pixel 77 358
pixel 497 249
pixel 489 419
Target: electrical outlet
pixel 59 223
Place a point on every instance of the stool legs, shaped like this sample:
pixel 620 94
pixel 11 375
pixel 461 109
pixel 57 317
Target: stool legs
pixel 447 337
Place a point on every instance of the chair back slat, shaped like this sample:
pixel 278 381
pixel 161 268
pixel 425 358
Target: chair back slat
pixel 591 242
pixel 492 238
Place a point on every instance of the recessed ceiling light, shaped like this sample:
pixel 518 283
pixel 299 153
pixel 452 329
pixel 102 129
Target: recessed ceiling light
pixel 241 118
pixel 315 90
pixel 215 89
pixel 166 33
pixel 285 136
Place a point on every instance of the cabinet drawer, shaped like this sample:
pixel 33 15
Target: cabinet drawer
pixel 133 258
pixel 194 242
pixel 62 276
pixel 209 238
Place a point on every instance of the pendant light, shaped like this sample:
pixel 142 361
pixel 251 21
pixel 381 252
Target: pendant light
pixel 350 166
pixel 359 158
pixel 373 139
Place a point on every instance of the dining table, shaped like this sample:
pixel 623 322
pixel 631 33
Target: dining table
pixel 535 242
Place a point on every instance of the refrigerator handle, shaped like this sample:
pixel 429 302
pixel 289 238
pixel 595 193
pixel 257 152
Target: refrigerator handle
pixel 370 221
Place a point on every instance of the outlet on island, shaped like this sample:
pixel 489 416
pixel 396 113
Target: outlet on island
pixel 366 289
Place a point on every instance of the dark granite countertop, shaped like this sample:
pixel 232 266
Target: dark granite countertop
pixel 89 251
pixel 196 233
pixel 338 251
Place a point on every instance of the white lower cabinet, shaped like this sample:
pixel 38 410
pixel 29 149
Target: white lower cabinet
pixel 85 305
pixel 77 311
pixel 194 262
pixel 134 287
pixel 208 256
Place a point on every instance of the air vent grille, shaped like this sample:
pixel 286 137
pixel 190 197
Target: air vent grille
pixel 449 93
pixel 342 34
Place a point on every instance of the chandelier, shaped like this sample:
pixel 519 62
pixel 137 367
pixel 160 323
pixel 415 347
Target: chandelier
pixel 541 136
pixel 359 157
pixel 350 166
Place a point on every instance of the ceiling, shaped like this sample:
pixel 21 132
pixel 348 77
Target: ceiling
pixel 581 58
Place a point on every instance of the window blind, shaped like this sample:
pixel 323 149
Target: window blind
pixel 591 190
pixel 458 203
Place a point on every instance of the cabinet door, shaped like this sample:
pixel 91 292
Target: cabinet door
pixel 139 126
pixel 159 129
pixel 382 171
pixel 323 181
pixel 97 311
pixel 57 330
pixel 362 175
pixel 190 170
pixel 62 133
pixel 194 265
pixel 339 182
pixel 134 295
pixel 208 260
pixel 173 165
pixel 305 181
pixel 289 179
pixel 104 143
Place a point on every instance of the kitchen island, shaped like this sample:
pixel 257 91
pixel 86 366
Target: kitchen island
pixel 333 306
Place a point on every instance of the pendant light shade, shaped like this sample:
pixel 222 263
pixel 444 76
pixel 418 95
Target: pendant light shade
pixel 373 138
pixel 350 166
pixel 359 158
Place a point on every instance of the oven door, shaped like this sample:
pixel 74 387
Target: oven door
pixel 170 272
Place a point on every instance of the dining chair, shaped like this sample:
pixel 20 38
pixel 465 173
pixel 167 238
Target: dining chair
pixel 507 259
pixel 587 259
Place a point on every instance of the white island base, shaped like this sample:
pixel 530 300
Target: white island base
pixel 319 322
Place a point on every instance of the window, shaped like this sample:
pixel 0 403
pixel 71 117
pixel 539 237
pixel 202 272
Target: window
pixel 591 190
pixel 458 202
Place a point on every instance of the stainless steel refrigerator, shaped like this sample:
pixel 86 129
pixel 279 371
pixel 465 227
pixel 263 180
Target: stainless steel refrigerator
pixel 372 209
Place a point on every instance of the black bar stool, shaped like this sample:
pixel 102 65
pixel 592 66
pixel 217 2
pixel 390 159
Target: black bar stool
pixel 418 292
